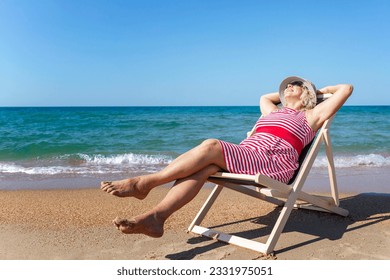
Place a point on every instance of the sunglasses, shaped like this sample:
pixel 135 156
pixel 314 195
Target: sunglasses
pixel 296 83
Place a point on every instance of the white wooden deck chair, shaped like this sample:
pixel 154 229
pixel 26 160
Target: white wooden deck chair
pixel 285 195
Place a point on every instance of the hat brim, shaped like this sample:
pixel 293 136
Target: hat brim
pixel 310 86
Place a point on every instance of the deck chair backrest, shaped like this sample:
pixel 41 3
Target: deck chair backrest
pixel 302 157
pixel 307 148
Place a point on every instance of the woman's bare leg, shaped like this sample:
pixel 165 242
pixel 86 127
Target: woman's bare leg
pixel 183 191
pixel 208 153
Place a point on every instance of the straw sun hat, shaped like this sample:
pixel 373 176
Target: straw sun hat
pixel 310 86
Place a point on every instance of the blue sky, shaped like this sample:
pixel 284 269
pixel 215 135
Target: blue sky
pixel 184 52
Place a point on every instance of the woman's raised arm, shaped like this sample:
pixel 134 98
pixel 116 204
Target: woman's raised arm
pixel 323 111
pixel 268 103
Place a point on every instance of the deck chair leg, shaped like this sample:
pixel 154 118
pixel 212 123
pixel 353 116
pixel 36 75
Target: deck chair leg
pixel 280 223
pixel 331 168
pixel 206 207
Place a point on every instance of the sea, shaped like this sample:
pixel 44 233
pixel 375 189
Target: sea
pixel 75 147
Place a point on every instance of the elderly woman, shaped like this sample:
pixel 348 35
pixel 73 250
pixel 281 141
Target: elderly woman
pixel 273 150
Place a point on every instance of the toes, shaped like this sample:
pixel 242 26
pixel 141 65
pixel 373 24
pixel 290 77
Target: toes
pixel 124 225
pixel 117 225
pixel 105 184
pixel 114 192
pixel 118 221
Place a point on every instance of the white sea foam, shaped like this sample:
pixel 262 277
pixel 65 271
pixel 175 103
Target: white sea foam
pixel 128 159
pixel 85 165
pixel 370 160
pixel 11 168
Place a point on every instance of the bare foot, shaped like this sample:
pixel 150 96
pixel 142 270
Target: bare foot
pixel 125 188
pixel 145 224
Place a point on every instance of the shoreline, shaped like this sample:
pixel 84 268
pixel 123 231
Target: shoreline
pixel 349 180
pixel 75 224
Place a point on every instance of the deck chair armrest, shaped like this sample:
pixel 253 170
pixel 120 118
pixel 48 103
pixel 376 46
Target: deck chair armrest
pixel 233 176
pixel 272 183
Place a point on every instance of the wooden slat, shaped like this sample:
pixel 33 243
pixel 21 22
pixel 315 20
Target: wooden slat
pixel 321 202
pixel 273 184
pixel 233 176
pixel 232 239
pixel 206 207
pixel 331 168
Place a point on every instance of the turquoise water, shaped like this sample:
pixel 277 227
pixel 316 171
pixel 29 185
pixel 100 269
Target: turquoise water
pixel 87 141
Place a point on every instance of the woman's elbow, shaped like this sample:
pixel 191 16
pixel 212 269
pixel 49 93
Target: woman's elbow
pixel 262 99
pixel 348 89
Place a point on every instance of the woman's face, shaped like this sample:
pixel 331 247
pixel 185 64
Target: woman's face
pixel 293 89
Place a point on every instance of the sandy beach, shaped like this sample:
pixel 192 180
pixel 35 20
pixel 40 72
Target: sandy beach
pixel 76 225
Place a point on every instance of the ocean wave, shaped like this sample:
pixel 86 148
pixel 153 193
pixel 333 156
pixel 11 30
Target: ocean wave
pixel 370 160
pixel 11 168
pixel 127 159
pixel 84 165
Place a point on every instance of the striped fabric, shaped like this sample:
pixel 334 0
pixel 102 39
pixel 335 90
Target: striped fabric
pixel 272 154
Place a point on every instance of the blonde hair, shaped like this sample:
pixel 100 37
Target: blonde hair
pixel 308 98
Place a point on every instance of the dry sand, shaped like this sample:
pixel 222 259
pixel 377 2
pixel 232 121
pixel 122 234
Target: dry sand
pixel 76 224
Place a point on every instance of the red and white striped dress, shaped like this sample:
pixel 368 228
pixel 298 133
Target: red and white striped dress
pixel 275 147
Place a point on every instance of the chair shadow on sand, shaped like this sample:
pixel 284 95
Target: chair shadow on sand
pixel 370 208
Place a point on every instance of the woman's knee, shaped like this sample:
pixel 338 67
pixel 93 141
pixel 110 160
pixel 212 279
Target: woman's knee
pixel 210 145
pixel 212 149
